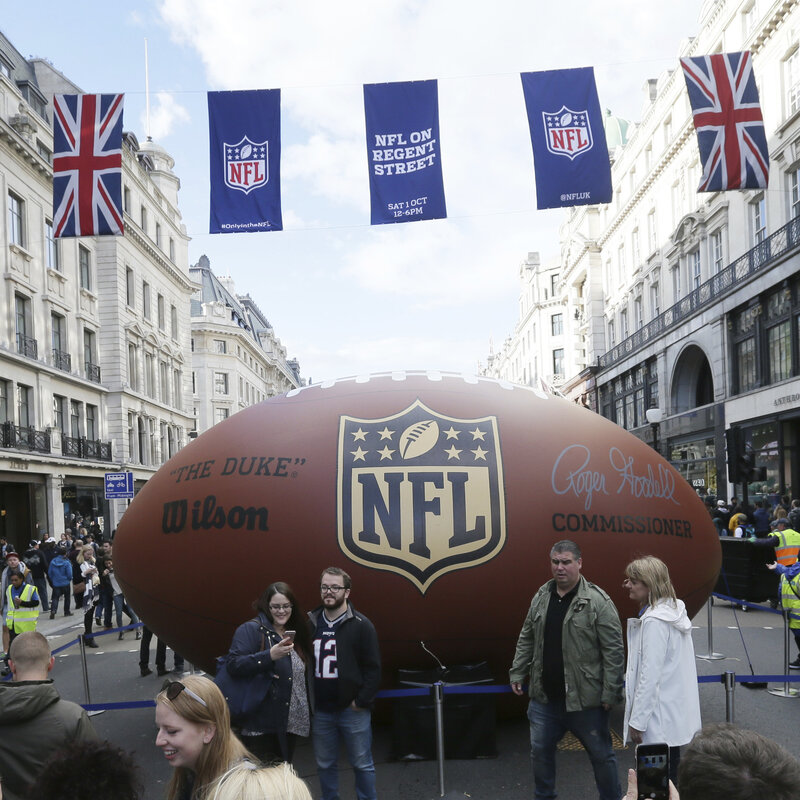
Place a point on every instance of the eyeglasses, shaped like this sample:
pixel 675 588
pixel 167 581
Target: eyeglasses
pixel 174 688
pixel 284 607
pixel 331 589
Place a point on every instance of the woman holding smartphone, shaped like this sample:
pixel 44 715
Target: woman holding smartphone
pixel 662 703
pixel 274 649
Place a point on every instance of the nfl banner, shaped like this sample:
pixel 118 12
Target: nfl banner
pixel 245 140
pixel 404 151
pixel 87 165
pixel 727 117
pixel 570 155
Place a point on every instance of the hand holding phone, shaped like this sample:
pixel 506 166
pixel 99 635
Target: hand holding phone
pixel 289 635
pixel 652 771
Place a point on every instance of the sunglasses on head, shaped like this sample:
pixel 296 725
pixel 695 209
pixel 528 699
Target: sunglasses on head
pixel 174 688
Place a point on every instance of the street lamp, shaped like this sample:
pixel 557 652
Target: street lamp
pixel 654 417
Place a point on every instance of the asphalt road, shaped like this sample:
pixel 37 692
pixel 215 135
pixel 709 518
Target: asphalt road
pixel 114 676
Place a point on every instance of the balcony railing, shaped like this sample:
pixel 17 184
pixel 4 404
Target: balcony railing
pixel 62 360
pixel 27 346
pixel 23 437
pixel 92 372
pixel 81 447
pixel 763 256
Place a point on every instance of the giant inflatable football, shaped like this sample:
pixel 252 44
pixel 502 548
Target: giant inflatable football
pixel 439 494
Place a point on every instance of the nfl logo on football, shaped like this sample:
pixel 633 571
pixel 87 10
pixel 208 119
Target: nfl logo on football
pixel 246 164
pixel 567 133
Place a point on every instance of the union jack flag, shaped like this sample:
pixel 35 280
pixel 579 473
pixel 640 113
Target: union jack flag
pixel 727 117
pixel 87 165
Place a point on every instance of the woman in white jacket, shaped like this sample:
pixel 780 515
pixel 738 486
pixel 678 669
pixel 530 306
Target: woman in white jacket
pixel 662 703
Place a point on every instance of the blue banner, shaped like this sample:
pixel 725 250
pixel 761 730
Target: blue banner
pixel 570 155
pixel 245 142
pixel 404 151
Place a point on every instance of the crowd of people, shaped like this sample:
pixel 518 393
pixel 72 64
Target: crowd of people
pixel 290 674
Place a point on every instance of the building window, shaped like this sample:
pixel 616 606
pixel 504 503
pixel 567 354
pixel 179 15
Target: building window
pixel 85 268
pixel 220 383
pixel 553 284
pixel 58 412
pixel 716 251
pixel 612 336
pixel 177 380
pixel 158 235
pixel 16 220
pixel 623 324
pixel 143 219
pixel 26 344
pixel 694 265
pixel 149 375
pixel 131 437
pixel 162 321
pixel 194 382
pixel 221 414
pixel 635 248
pixel 89 351
pixel 172 249
pixel 146 299
pixel 744 348
pixel 676 282
pixel 621 264
pixel 75 421
pixel 53 251
pixel 126 200
pixel 556 325
pixel 758 213
pixel 24 406
pixel 652 231
pixel 667 131
pixel 91 422
pixel 133 366
pixel 163 380
pixel 655 299
pixel 220 346
pixel 130 288
pixel 57 335
pixel 792 71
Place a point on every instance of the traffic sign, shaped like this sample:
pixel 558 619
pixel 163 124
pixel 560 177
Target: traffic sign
pixel 119 485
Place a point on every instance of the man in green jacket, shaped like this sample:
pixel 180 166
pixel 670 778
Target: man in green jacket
pixel 34 720
pixel 570 651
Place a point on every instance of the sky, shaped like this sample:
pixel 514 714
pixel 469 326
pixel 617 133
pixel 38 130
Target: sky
pixel 344 297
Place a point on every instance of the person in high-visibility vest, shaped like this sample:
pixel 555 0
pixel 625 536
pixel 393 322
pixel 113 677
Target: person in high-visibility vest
pixel 785 541
pixel 790 600
pixel 23 613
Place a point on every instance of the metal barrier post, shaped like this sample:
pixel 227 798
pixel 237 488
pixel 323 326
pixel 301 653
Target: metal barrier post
pixel 438 703
pixel 786 691
pixel 84 668
pixel 710 655
pixel 729 678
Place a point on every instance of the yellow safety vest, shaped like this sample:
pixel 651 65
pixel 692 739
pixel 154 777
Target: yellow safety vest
pixel 787 551
pixel 21 619
pixel 789 600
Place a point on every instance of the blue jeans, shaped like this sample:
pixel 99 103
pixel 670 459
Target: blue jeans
pixel 549 722
pixel 355 728
pixel 121 605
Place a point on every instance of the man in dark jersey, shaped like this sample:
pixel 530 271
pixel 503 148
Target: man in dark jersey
pixel 347 673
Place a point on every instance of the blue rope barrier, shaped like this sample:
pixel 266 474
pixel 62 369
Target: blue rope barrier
pixel 738 602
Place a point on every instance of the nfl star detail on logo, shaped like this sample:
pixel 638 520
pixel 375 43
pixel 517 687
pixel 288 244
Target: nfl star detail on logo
pixel 727 117
pixel 570 156
pixel 87 165
pixel 245 153
pixel 419 493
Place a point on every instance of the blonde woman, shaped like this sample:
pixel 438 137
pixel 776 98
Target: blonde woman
pixel 194 733
pixel 662 703
pixel 242 782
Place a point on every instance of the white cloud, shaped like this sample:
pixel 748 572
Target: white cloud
pixel 166 113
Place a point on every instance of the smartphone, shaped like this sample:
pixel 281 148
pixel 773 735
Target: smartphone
pixel 289 635
pixel 652 771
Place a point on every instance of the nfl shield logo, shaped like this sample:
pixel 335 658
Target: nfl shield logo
pixel 420 493
pixel 568 133
pixel 246 164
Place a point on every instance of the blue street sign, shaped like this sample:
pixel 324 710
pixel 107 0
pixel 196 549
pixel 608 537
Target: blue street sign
pixel 119 485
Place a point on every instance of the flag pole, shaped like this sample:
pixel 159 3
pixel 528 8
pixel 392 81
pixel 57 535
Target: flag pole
pixel 147 93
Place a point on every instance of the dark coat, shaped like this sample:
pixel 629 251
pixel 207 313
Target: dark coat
pixel 358 658
pixel 247 660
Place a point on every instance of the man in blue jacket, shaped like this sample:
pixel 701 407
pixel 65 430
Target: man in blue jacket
pixel 60 573
pixel 347 673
